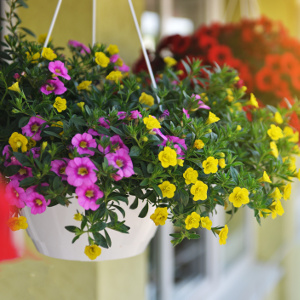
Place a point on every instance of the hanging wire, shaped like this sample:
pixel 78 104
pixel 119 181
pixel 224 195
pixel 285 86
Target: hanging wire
pixel 94 24
pixel 52 24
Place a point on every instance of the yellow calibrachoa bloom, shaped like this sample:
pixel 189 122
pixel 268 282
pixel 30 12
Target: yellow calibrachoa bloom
pixel 17 141
pixel 265 178
pixel 263 213
pixel 59 124
pixel 78 217
pixel 44 145
pixel 151 122
pixel 198 144
pixel 92 252
pixel 101 59
pixel 17 223
pixel 180 162
pixel 289 132
pixel 42 38
pixel 84 85
pixel 239 196
pixel 170 61
pixel 146 99
pixel 210 165
pixel 278 118
pixel 60 104
pixel 160 216
pixel 190 175
pixel 81 105
pixel 253 101
pixel 276 209
pixel 222 163
pixel 112 49
pixel 168 157
pixel 206 223
pixel 168 189
pixel 192 221
pixel 292 162
pixel 115 76
pixel 274 149
pixel 276 195
pixel 48 53
pixel 199 190
pixel 223 235
pixel 212 118
pixel 15 87
pixel 238 128
pixel 287 191
pixel 275 132
pixel 33 58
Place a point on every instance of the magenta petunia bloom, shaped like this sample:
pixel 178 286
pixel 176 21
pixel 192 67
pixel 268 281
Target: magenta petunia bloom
pixel 121 161
pixel 6 152
pixel 23 172
pixel 121 115
pixel 202 105
pixel 59 167
pixel 33 128
pixel 123 68
pixel 103 122
pixel 36 152
pixel 157 131
pixel 114 58
pixel 16 195
pixel 58 68
pixel 82 141
pixel 118 143
pixel 88 195
pixel 135 114
pixel 83 48
pixel 53 86
pixel 186 112
pixel 93 132
pixel 37 202
pixel 81 170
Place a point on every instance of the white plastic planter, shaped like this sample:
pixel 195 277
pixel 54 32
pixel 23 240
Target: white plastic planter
pixel 48 233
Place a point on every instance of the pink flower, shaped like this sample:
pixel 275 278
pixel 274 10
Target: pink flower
pixel 186 112
pixel 58 68
pixel 83 48
pixel 53 86
pixel 88 195
pixel 59 167
pixel 15 194
pixel 36 152
pixel 157 131
pixel 6 152
pixel 17 76
pixel 23 172
pixel 202 105
pixel 114 58
pixel 135 114
pixel 93 132
pixel 82 142
pixel 121 161
pixel 33 128
pixel 81 170
pixel 123 68
pixel 37 202
pixel 121 115
pixel 103 122
pixel 176 142
pixel 117 142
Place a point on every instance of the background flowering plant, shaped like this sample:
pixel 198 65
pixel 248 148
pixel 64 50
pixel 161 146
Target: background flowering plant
pixel 86 126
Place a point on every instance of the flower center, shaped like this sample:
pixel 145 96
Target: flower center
pixel 34 128
pixel 19 144
pixel 83 144
pixel 57 71
pixel 50 88
pixel 89 193
pixel 16 193
pixel 82 171
pixel 62 170
pixel 22 171
pixel 119 163
pixel 38 202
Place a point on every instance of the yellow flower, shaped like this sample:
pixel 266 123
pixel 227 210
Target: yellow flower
pixel 92 252
pixel 84 85
pixel 238 105
pixel 223 235
pixel 274 149
pixel 101 59
pixel 112 49
pixel 206 223
pixel 289 132
pixel 44 145
pixel 170 61
pixel 199 190
pixel 33 58
pixel 60 104
pixel 263 213
pixel 180 162
pixel 190 176
pixel 159 216
pixel 60 125
pixel 168 189
pixel 81 105
pixel 278 118
pixel 15 87
pixel 17 223
pixel 253 101
pixel 48 54
pixel 115 76
pixel 119 62
pixel 168 157
pixel 212 118
pixel 296 150
pixel 276 209
pixel 198 144
pixel 210 165
pixel 42 38
pixel 244 88
pixel 239 196
pixel 275 132
pixel 238 128
pixel 151 122
pixel 78 217
pixel 146 99
pixel 276 195
pixel 17 141
pixel 192 221
pixel 229 92
pixel 292 162
pixel 222 163
pixel 265 178
pixel 287 191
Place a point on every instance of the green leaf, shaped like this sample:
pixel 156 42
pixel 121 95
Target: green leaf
pixel 28 31
pixel 135 203
pixel 150 168
pixel 98 227
pixel 83 223
pixel 134 151
pixel 100 240
pixel 75 239
pixel 144 211
pixel 29 181
pixel 108 240
pixel 117 131
pixel 52 133
pixel 4 55
pixel 11 170
pixel 145 182
pixel 73 229
pixel 235 175
pixel 22 158
pixel 157 190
